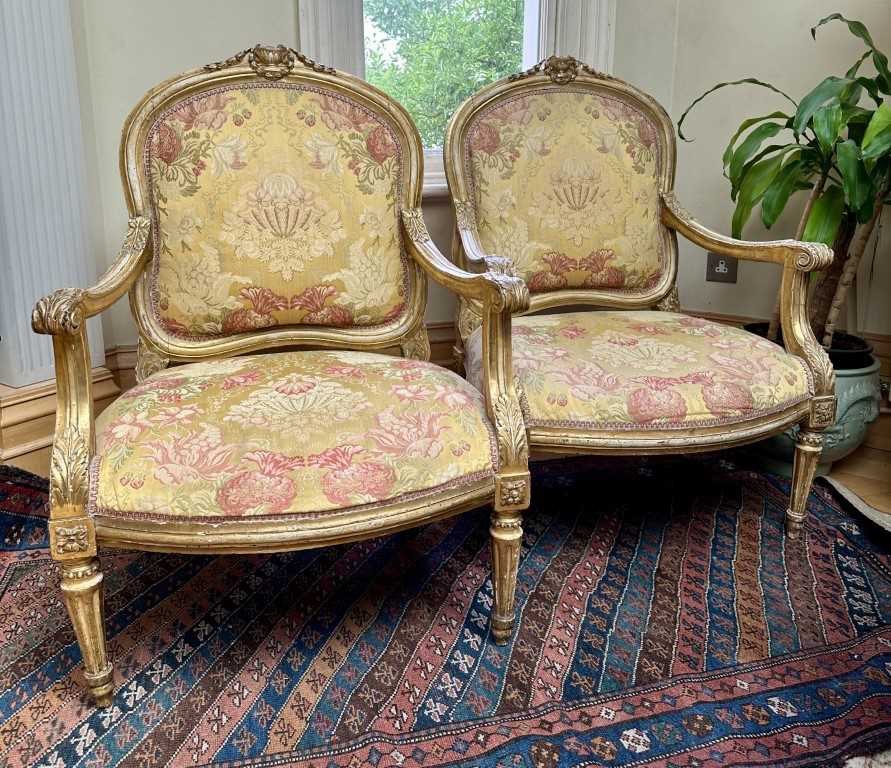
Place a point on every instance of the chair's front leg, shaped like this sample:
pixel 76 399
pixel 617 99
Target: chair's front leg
pixel 512 481
pixel 808 448
pixel 506 536
pixel 84 595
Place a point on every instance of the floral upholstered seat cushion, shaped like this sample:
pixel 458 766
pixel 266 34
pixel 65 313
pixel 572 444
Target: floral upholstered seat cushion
pixel 274 204
pixel 565 182
pixel 287 434
pixel 645 370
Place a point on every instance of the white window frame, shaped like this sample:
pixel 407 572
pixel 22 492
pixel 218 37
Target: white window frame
pixel 333 33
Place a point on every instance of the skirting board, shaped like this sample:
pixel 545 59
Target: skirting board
pixel 28 417
pixel 27 414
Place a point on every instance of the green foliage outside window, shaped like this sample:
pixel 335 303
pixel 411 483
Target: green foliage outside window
pixel 430 55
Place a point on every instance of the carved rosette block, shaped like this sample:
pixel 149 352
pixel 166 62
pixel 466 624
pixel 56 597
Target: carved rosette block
pixel 72 538
pixel 512 491
pixel 822 411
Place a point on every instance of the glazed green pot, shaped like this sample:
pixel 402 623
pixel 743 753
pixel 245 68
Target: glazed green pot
pixel 859 395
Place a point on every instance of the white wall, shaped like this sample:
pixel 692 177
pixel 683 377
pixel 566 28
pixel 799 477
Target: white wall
pixel 124 48
pixel 676 49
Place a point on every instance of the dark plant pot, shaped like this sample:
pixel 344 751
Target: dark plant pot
pixel 858 392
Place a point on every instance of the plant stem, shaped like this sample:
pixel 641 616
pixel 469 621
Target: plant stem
pixel 774 326
pixel 850 270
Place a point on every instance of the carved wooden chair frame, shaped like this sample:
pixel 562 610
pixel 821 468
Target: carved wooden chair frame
pixel 75 535
pixel 797 259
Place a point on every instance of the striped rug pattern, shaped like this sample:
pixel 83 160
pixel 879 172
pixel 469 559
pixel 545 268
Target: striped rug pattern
pixel 663 620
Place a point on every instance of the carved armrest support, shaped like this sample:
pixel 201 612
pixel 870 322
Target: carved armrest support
pixel 465 220
pixel 797 259
pixel 501 295
pixel 64 311
pixel 62 315
pixel 497 287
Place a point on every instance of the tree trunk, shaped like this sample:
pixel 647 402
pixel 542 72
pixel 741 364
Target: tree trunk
pixel 850 272
pixel 774 327
pixel 827 282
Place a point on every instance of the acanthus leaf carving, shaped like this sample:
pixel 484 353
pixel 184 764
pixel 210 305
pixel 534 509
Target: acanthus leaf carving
pixel 513 448
pixel 561 70
pixel 670 302
pixel 416 346
pixel 59 313
pixel 415 226
pixel 69 467
pixel 465 215
pixel 148 361
pixel 272 62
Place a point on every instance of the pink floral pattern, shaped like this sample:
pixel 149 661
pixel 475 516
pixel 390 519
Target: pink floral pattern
pixel 291 433
pixel 645 370
pixel 566 184
pixel 274 205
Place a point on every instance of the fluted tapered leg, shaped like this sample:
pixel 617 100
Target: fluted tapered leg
pixel 506 535
pixel 808 449
pixel 83 593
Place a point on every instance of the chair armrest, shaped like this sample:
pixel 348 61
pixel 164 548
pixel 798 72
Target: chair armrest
pixel 797 259
pixel 497 286
pixel 62 315
pixel 501 294
pixel 63 311
pixel 806 257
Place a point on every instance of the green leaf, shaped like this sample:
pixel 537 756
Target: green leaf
pixel 879 145
pixel 825 216
pixel 855 180
pixel 852 72
pixel 880 121
pixel 768 150
pixel 830 88
pixel 858 29
pixel 754 184
pixel 749 146
pixel 745 125
pixel 828 124
pixel 792 177
pixel 744 81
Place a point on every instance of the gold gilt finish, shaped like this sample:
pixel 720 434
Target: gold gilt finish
pixel 797 259
pixel 75 536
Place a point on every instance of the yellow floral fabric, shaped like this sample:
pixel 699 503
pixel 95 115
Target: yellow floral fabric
pixel 275 204
pixel 293 433
pixel 565 184
pixel 645 370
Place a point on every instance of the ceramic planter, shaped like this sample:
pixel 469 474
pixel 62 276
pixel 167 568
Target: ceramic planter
pixel 859 395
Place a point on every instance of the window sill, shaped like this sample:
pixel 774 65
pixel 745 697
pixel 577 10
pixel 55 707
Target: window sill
pixel 435 185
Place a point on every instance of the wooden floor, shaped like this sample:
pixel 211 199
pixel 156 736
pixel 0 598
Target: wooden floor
pixel 867 471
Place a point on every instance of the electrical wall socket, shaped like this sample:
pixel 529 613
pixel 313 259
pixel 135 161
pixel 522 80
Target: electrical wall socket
pixel 720 269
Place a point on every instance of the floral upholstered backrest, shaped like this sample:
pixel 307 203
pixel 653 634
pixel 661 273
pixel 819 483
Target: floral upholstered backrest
pixel 274 202
pixel 564 178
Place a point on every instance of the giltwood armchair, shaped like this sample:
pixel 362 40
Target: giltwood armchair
pixel 274 204
pixel 566 175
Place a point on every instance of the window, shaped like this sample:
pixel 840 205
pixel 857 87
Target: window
pixel 431 55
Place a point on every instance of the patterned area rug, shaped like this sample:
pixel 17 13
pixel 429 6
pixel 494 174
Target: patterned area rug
pixel 664 621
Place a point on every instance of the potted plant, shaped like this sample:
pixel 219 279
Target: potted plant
pixel 834 144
